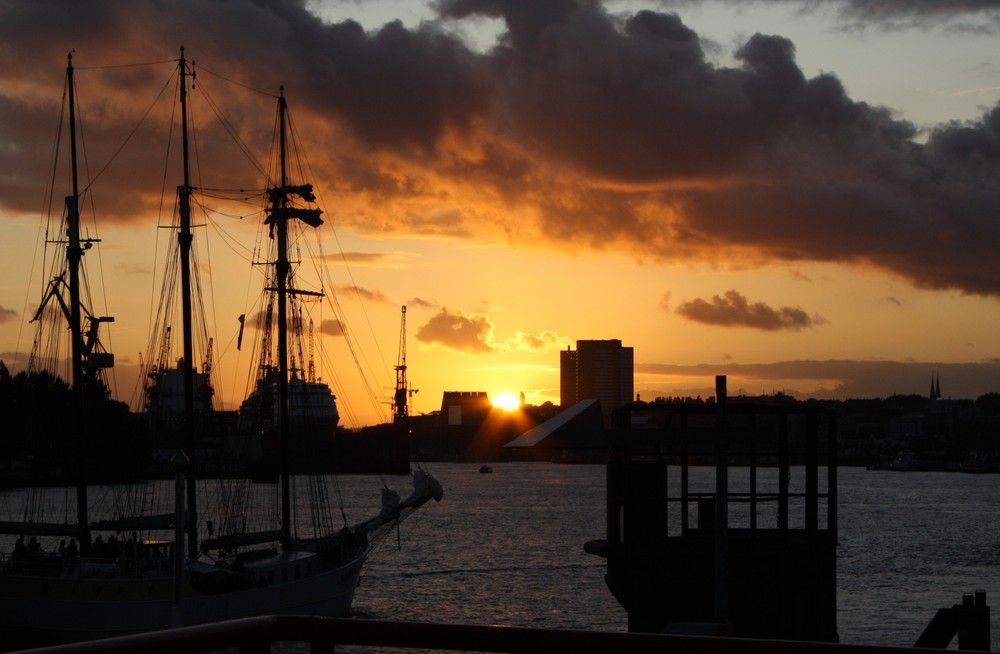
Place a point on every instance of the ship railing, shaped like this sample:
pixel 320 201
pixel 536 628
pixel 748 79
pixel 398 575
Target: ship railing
pixel 321 635
pixel 54 564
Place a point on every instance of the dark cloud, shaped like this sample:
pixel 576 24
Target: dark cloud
pixel 258 321
pixel 7 315
pixel 976 15
pixel 735 310
pixel 422 303
pixel 580 129
pixel 473 332
pixel 362 258
pixel 332 328
pixel 838 379
pixel 458 331
pixel 395 88
pixel 902 14
pixel 365 294
pixel 134 269
pixel 545 340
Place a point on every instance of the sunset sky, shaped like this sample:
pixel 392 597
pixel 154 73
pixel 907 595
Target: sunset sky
pixel 801 194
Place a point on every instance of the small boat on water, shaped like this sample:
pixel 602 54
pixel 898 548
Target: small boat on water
pixel 908 461
pixel 979 463
pixel 126 571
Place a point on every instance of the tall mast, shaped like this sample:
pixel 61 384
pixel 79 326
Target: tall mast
pixel 184 238
pixel 74 253
pixel 282 267
pixel 281 212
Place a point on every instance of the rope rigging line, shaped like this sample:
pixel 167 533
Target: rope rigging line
pixel 58 261
pixel 89 200
pixel 322 257
pixel 266 94
pixel 233 243
pixel 198 200
pixel 132 133
pixel 206 343
pixel 374 396
pixel 45 218
pixel 153 353
pixel 113 66
pixel 248 313
pixel 236 195
pixel 306 170
pixel 230 129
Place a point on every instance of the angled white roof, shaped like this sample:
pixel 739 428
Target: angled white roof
pixel 537 434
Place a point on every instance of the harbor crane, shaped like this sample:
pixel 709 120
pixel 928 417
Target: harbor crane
pixel 400 399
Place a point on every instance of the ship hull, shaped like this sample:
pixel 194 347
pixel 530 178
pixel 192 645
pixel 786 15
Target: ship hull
pixel 42 610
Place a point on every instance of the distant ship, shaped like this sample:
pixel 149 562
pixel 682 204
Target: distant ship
pixel 311 404
pixel 312 419
pixel 163 409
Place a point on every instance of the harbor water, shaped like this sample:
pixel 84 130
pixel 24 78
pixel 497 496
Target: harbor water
pixel 507 547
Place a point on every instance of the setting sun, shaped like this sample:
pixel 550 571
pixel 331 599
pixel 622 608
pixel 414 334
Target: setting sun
pixel 506 401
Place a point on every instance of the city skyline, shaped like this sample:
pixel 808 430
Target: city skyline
pixel 798 195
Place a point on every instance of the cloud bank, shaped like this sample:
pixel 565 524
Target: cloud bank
pixel 735 310
pixel 580 129
pixel 972 15
pixel 827 379
pixel 458 330
pixel 475 333
pixel 332 327
pixel 361 293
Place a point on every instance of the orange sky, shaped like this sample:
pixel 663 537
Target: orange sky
pixel 523 175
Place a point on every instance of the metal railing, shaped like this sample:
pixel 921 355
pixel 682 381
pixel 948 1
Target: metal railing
pixel 256 635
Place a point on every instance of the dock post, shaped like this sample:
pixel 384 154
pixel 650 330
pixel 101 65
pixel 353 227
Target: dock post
pixel 970 621
pixel 180 464
pixel 974 634
pixel 721 603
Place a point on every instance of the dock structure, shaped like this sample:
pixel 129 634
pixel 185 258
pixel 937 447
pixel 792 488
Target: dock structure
pixel 315 634
pixel 752 555
pixel 968 621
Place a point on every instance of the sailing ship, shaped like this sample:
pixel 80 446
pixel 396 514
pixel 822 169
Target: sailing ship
pixel 127 573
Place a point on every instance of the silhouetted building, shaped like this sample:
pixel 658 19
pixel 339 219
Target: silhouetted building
pixel 574 435
pixel 464 407
pixel 600 370
pixel 469 428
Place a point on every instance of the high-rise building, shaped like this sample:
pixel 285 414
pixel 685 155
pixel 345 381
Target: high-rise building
pixel 599 370
pixel 567 377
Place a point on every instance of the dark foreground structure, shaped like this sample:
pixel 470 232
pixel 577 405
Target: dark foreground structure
pixel 257 635
pixel 759 562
